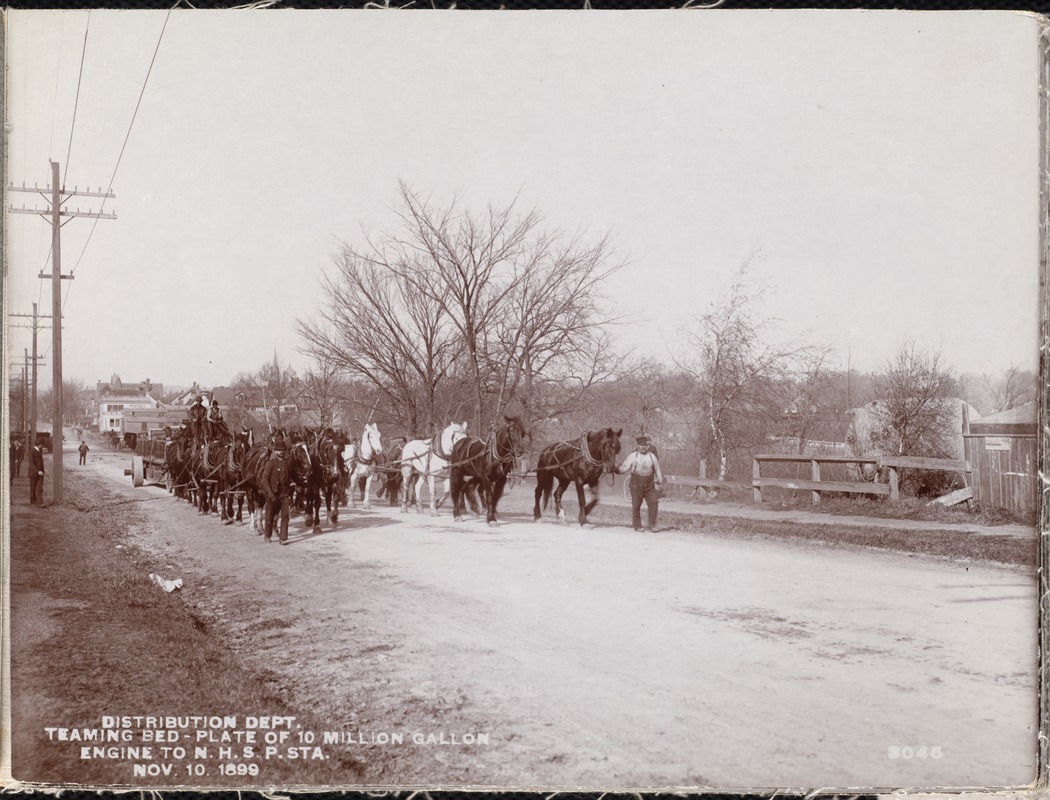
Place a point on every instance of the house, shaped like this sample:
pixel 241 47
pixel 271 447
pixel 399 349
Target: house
pixel 115 397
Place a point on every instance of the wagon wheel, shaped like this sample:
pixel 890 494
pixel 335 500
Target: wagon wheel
pixel 136 471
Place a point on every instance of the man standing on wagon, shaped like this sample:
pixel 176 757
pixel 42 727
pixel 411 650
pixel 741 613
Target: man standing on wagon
pixel 646 481
pixel 198 414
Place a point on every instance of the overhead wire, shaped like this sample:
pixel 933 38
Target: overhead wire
pixel 76 101
pixel 123 146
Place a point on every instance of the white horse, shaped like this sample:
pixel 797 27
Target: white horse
pixel 430 460
pixel 366 456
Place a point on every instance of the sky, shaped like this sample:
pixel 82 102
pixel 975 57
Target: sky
pixel 881 168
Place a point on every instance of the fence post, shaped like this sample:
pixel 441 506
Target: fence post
pixel 815 475
pixel 756 473
pixel 895 493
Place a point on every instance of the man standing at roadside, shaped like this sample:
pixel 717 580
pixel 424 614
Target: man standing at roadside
pixel 36 475
pixel 276 483
pixel 83 452
pixel 646 481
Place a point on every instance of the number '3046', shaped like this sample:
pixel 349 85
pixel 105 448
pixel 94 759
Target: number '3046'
pixel 906 752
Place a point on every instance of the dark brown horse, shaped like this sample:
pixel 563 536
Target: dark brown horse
pixel 232 479
pixel 486 466
pixel 581 462
pixel 323 478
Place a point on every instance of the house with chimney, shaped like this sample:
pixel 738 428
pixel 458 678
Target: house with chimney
pixel 115 398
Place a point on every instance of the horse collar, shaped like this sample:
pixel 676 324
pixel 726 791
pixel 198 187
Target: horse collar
pixel 585 448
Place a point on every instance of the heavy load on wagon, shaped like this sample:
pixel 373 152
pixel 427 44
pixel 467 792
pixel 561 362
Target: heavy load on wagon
pixel 149 464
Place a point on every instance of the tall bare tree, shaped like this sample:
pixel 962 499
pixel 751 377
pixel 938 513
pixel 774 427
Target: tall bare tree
pixel 454 299
pixel 375 324
pixel 734 365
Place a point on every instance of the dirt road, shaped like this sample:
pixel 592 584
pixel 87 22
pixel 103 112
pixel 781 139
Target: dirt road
pixel 557 656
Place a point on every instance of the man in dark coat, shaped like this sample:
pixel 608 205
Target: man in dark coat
pixel 36 475
pixel 83 452
pixel 18 456
pixel 198 415
pixel 277 486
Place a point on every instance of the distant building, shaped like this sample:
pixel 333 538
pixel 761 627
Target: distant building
pixel 115 397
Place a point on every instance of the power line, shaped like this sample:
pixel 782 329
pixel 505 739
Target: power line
pixel 76 102
pixel 134 115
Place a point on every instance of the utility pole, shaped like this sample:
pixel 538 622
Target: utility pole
pixel 35 326
pixel 56 212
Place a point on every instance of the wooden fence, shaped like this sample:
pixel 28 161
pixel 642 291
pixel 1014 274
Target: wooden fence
pixel 815 483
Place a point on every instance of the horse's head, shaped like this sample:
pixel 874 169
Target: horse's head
pixel 610 448
pixel 452 434
pixel 515 435
pixel 371 442
pixel 299 458
pixel 330 457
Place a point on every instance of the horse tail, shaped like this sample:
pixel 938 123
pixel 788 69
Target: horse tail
pixel 544 480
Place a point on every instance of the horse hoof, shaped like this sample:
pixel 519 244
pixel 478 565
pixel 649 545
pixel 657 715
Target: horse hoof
pixel 367 505
pixel 494 524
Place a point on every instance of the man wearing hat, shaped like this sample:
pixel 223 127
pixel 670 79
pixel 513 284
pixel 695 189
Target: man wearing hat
pixel 646 481
pixel 36 475
pixel 198 414
pixel 276 484
pixel 215 421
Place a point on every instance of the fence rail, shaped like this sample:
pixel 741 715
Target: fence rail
pixel 816 485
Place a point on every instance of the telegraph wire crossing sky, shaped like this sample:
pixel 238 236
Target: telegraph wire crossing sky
pixel 883 166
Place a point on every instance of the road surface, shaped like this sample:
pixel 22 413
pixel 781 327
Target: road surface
pixel 601 657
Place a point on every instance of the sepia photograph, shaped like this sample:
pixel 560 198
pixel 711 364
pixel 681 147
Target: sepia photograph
pixel 541 400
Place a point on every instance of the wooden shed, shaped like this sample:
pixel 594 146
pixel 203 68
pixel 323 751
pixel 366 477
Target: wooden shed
pixel 1003 451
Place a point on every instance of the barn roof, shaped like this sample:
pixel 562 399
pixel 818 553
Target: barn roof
pixel 1020 420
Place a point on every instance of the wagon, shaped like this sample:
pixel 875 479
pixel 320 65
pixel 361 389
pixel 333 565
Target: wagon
pixel 150 464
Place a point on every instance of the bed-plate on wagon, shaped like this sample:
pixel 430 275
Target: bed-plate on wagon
pixel 149 463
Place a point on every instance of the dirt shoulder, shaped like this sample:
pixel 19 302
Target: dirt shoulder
pixel 91 634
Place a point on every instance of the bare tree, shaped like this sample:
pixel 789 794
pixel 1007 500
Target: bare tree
pixel 736 369
pixel 915 413
pixel 278 387
pixel 1015 387
pixel 810 390
pixel 552 325
pixel 320 388
pixel 455 299
pixel 376 325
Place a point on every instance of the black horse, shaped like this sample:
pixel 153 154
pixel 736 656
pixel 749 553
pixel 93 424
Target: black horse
pixel 232 479
pixel 177 462
pixel 323 477
pixel 390 477
pixel 487 465
pixel 582 463
pixel 254 464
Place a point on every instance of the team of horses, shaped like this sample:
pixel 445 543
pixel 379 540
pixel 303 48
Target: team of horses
pixel 222 472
